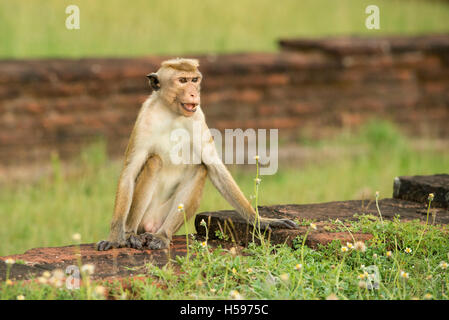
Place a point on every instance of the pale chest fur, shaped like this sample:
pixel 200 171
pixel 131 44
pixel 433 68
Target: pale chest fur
pixel 160 134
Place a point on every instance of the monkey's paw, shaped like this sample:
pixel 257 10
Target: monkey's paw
pixel 158 243
pixel 105 245
pixel 134 241
pixel 154 241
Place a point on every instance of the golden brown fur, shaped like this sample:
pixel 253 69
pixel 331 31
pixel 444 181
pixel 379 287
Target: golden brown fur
pixel 151 186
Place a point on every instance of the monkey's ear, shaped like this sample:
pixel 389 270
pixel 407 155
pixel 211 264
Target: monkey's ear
pixel 154 81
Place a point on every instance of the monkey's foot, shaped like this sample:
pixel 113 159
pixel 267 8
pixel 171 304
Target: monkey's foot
pixel 134 241
pixel 153 241
pixel 105 245
pixel 158 243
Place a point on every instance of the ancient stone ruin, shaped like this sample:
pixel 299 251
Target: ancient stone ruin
pixel 316 87
pixel 409 202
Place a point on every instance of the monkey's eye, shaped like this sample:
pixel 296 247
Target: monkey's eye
pixel 183 80
pixel 194 79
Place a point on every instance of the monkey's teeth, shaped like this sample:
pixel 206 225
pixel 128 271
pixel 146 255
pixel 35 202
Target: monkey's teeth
pixel 189 106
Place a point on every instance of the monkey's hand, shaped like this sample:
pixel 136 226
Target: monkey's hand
pixel 115 240
pixel 105 245
pixel 132 241
pixel 154 241
pixel 269 224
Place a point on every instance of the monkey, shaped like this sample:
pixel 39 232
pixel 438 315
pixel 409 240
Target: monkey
pixel 151 186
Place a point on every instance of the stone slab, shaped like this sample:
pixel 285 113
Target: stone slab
pixel 230 223
pixel 418 188
pixel 126 262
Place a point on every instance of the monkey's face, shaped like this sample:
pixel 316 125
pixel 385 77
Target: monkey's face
pixel 187 99
pixel 180 90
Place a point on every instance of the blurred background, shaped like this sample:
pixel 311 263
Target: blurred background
pixel 354 107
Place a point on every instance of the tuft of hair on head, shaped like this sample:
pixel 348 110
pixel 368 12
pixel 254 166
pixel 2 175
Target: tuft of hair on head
pixel 181 64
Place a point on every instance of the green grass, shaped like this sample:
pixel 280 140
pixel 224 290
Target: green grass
pixel 141 27
pixel 272 272
pixel 48 212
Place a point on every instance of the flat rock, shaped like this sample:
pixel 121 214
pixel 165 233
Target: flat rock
pixel 230 223
pixel 108 264
pixel 418 188
pixel 126 262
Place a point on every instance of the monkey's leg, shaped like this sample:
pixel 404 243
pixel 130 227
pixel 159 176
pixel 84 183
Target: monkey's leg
pixel 146 184
pixel 189 194
pixel 144 188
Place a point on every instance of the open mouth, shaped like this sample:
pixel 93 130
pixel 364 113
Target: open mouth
pixel 190 107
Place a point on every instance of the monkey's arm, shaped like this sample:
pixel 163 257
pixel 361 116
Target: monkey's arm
pixel 223 181
pixel 225 184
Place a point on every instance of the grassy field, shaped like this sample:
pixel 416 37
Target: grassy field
pixel 407 261
pixel 411 257
pixel 49 211
pixel 142 27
